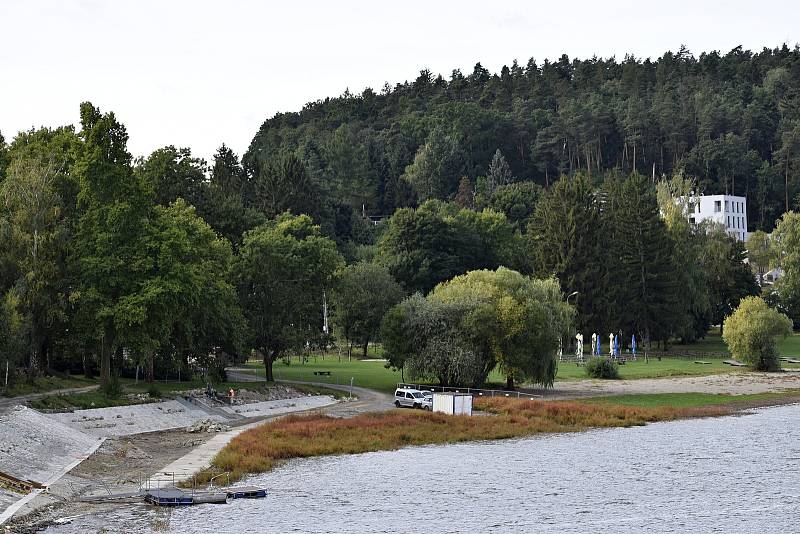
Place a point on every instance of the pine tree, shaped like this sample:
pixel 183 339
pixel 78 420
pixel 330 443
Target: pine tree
pixel 641 278
pixel 499 173
pixel 565 233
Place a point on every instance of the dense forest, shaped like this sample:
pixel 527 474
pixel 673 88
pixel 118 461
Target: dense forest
pixel 563 189
pixel 731 121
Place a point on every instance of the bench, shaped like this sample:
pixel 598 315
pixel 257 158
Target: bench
pixel 322 373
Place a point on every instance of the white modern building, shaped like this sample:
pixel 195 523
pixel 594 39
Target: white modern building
pixel 727 210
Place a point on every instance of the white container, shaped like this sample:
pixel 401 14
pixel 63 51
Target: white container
pixel 452 403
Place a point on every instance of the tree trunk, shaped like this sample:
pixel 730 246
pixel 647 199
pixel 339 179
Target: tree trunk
pixel 366 345
pixel 150 368
pixel 786 184
pixel 105 359
pixel 510 382
pixel 350 352
pixel 268 367
pixel 87 372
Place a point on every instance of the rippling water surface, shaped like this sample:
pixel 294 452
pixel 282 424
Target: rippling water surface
pixel 732 474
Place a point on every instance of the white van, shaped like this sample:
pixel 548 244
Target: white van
pixel 412 398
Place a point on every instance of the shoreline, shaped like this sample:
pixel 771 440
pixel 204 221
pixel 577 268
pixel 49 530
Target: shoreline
pixel 269 446
pixel 176 443
pixel 123 462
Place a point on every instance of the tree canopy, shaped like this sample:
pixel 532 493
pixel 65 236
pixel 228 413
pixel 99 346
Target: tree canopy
pixel 751 332
pixel 478 321
pixel 281 271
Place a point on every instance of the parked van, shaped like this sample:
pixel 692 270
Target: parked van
pixel 412 398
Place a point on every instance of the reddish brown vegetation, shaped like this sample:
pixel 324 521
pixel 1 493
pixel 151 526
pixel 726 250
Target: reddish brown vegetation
pixel 301 436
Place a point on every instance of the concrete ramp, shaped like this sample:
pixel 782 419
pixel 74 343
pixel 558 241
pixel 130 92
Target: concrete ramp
pixel 135 419
pixel 35 447
pixel 278 407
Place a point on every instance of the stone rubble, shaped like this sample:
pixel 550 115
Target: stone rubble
pixel 207 425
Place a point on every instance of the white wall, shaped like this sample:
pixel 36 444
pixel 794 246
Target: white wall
pixel 727 210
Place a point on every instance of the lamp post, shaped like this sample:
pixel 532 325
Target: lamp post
pixel 573 294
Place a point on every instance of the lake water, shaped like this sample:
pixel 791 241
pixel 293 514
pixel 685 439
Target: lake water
pixel 732 474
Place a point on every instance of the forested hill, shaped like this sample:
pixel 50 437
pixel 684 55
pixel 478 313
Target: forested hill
pixel 731 121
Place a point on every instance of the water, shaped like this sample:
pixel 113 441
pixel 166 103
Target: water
pixel 732 474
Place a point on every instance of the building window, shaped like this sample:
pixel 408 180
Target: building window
pixel 691 220
pixel 717 206
pixel 729 221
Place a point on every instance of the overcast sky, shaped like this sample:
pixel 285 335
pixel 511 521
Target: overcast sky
pixel 199 73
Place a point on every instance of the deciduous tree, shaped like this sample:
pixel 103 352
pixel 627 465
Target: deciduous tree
pixel 282 269
pixel 362 295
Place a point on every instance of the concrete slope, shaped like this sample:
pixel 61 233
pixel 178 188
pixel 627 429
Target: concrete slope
pixel 135 419
pixel 200 457
pixel 35 447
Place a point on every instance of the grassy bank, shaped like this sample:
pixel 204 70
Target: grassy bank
pixel 166 390
pixel 44 384
pixel 262 448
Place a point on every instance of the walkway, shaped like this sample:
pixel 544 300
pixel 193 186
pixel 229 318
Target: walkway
pixel 183 468
pixel 368 400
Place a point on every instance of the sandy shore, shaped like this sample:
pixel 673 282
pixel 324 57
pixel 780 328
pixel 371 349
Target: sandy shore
pixel 728 383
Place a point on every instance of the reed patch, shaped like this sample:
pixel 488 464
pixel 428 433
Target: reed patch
pixel 301 436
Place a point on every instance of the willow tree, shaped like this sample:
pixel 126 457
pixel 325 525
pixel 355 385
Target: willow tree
pixel 479 321
pixel 751 333
pixel 528 318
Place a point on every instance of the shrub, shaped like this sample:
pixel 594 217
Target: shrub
pixel 113 389
pixel 154 392
pixel 601 368
pixel 751 331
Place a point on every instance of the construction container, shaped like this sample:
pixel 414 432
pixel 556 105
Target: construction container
pixel 452 403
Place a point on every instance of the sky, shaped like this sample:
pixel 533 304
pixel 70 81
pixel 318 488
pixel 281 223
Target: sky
pixel 199 73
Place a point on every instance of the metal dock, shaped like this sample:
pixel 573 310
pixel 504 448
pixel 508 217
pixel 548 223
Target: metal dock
pixel 181 497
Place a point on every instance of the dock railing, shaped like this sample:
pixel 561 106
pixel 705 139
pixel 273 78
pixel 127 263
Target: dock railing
pixel 478 392
pixel 226 474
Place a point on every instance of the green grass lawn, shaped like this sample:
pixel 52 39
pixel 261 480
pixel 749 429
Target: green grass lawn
pixel 368 374
pixel 374 375
pixel 79 401
pixel 789 346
